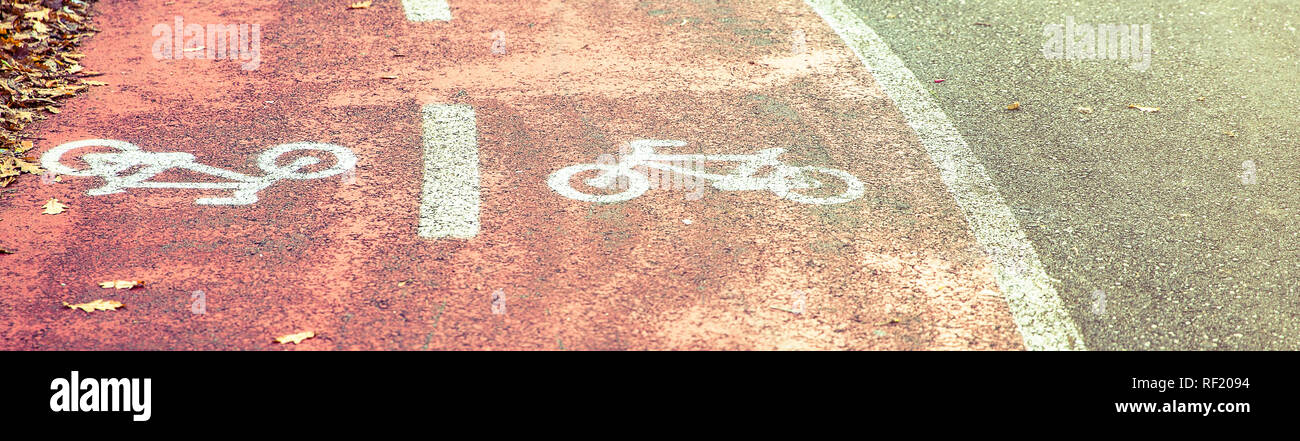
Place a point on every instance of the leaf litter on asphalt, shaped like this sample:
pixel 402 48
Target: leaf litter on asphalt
pixel 97 305
pixel 39 63
pixel 53 206
pixel 121 284
pixel 295 338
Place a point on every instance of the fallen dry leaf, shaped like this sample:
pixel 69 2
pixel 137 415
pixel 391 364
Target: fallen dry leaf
pixel 43 14
pixel 28 167
pixel 1014 106
pixel 121 284
pixel 23 116
pixel 1084 109
pixel 9 167
pixel 296 338
pixel 1144 109
pixel 53 206
pixel 359 5
pixel 60 91
pixel 98 305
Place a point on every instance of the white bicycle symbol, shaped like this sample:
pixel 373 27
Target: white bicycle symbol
pixel 785 180
pixel 110 165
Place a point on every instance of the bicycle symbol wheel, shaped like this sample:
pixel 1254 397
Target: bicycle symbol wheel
pixel 561 182
pixel 344 160
pixel 788 180
pixel 51 160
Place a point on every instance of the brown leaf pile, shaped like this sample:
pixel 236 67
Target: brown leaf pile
pixel 39 64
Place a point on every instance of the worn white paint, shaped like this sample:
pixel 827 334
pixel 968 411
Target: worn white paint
pixel 1034 303
pixel 782 181
pixel 109 166
pixel 449 203
pixel 427 10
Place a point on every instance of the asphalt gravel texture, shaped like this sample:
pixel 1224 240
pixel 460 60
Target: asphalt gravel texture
pixel 1167 230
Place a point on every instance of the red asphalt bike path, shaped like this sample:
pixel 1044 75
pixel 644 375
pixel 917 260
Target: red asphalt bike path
pixel 340 256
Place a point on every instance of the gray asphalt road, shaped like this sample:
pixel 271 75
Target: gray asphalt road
pixel 1174 229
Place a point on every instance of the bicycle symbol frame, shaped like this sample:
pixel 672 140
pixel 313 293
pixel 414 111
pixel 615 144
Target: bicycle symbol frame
pixel 785 181
pixel 109 166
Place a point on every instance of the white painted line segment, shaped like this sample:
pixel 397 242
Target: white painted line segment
pixel 1034 303
pixel 427 10
pixel 449 200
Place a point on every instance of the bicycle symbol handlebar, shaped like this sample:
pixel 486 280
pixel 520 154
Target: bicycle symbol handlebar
pixel 109 166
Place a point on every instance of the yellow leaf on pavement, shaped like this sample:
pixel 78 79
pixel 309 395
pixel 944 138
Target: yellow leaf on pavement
pixel 296 338
pixel 43 14
pixel 360 5
pixel 28 167
pixel 98 305
pixel 53 206
pixel 23 116
pixel 9 166
pixel 121 284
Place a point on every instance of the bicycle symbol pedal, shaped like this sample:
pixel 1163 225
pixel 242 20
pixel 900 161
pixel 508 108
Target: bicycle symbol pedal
pixel 110 166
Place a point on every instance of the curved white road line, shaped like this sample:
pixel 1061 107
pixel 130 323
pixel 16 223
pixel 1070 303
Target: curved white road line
pixel 1034 303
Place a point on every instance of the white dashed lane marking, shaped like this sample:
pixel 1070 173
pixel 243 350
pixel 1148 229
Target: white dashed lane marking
pixel 449 200
pixel 427 10
pixel 1034 303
